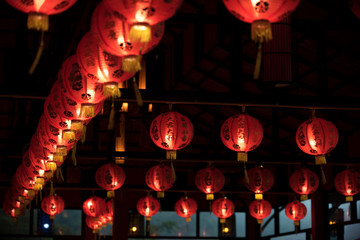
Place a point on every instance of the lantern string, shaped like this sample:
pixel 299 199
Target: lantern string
pixel 139 99
pixel 73 153
pixel 83 135
pixel 243 107
pixel 170 106
pixel 313 112
pixel 38 54
pixel 323 177
pixel 112 115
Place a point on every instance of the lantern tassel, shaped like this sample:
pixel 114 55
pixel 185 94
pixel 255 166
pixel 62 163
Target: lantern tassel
pixel 38 54
pixel 112 116
pixel 38 21
pixel 323 178
pixel 52 191
pixel 320 160
pixel 83 135
pixel 137 93
pixel 131 64
pixel 110 194
pixel 257 67
pixel 73 153
pixel 173 170
pixel 140 32
pixel 246 175
pixel 59 174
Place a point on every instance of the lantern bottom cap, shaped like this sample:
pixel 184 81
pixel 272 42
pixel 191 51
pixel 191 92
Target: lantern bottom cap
pixel 209 196
pixel 349 198
pixel 140 32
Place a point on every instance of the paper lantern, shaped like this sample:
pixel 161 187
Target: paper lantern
pixel 13 199
pixel 148 207
pixel 39 10
pixel 171 131
pixel 304 182
pixel 260 209
pixel 159 178
pixel 295 211
pixel 209 180
pixel 100 65
pixel 110 177
pixel 109 211
pixel 39 174
pixel 24 178
pixel 260 13
pixel 347 183
pixel 223 208
pixel 260 181
pixel 318 137
pixel 93 223
pixel 186 207
pixel 143 14
pixel 241 133
pixel 10 210
pixel 112 32
pixel 52 205
pixel 94 206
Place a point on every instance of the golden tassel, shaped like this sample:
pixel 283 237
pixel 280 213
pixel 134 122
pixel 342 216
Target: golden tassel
pixel 87 111
pixel 110 194
pixel 349 198
pixel 161 194
pixel 209 196
pixel 304 197
pixel 111 89
pixel 257 67
pixel 38 21
pixel 73 154
pixel 61 150
pixel 260 221
pixel 140 32
pixel 112 117
pixel 40 194
pixel 59 174
pixel 52 190
pixel 38 54
pixel 246 176
pixel 51 166
pixel 83 135
pixel 76 126
pixel 323 178
pixel 172 170
pixel 188 219
pixel 58 158
pixel 320 160
pixel 131 64
pixel 242 156
pixel 137 93
pixel 49 174
pixel 222 220
pixel 258 196
pixel 68 136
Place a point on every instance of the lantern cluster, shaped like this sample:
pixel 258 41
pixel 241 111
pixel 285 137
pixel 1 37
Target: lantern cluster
pixel 98 213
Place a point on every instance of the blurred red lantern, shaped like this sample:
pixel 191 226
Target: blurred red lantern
pixel 93 223
pixel 185 207
pixel 142 15
pixel 223 208
pixel 13 199
pixel 260 13
pixel 52 205
pixel 10 210
pixel 24 178
pixel 39 174
pixel 113 34
pixel 98 64
pixel 159 178
pixel 148 207
pixel 110 177
pixel 209 180
pixel 171 131
pixel 260 181
pixel 347 183
pixel 260 209
pixel 39 10
pixel 295 211
pixel 94 206
pixel 304 182
pixel 109 211
pixel 241 133
pixel 318 137
pixel 355 7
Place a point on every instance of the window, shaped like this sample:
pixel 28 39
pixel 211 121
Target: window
pixel 208 225
pixel 8 226
pixel 286 224
pixel 268 226
pixel 306 222
pixel 299 236
pixel 358 209
pixel 240 221
pixel 351 231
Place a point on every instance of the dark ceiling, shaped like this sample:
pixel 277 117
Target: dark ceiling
pixel 203 68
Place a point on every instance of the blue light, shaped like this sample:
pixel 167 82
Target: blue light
pixel 46 225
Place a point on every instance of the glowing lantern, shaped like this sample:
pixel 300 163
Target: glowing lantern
pixel 94 206
pixel 304 182
pixel 209 180
pixel 142 15
pixel 24 178
pixel 10 210
pixel 318 137
pixel 295 211
pixel 92 223
pixel 32 171
pixel 109 211
pixel 185 207
pixel 113 34
pixel 110 177
pixel 159 178
pixel 260 13
pixel 148 207
pixel 260 209
pixel 52 205
pixel 347 183
pixel 260 181
pixel 171 131
pixel 223 208
pixel 241 133
pixel 101 65
pixel 39 10
pixel 13 199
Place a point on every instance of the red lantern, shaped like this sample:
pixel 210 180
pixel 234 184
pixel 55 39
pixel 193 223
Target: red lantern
pixel 355 7
pixel 318 137
pixel 260 209
pixel 295 211
pixel 159 178
pixel 94 206
pixel 260 181
pixel 100 65
pixel 40 156
pixel 185 207
pixel 113 34
pixel 304 182
pixel 241 133
pixel 52 205
pixel 39 11
pixel 171 131
pixel 39 174
pixel 109 211
pixel 10 210
pixel 93 223
pixel 110 177
pixel 223 208
pixel 260 13
pixel 13 199
pixel 148 207
pixel 24 178
pixel 347 183
pixel 209 180
pixel 142 15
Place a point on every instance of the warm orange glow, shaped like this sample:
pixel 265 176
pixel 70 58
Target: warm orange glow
pixel 304 189
pixel 226 229
pixel 139 16
pixel 125 107
pixel 147 211
pixel 38 4
pixel 121 40
pixel 134 229
pixel 150 109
